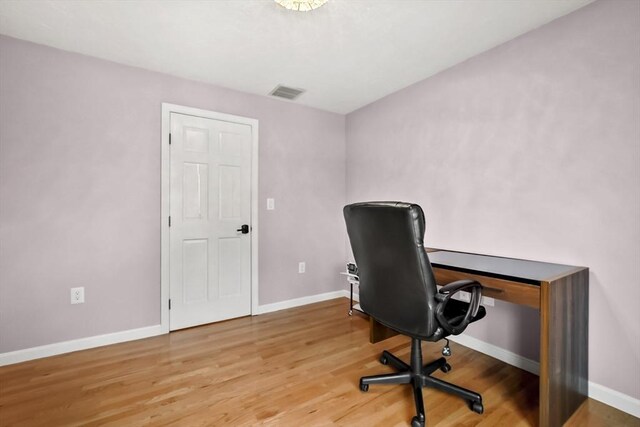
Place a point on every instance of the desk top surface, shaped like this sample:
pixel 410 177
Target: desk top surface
pixel 533 272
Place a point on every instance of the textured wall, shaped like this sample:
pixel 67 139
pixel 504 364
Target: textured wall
pixel 530 150
pixel 80 193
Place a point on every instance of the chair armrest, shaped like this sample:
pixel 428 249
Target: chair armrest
pixel 454 287
pixel 444 295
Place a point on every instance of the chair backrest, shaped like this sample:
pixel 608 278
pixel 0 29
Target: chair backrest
pixel 397 286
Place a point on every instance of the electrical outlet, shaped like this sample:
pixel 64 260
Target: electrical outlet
pixel 302 267
pixel 464 296
pixel 77 295
pixel 488 301
pixel 271 204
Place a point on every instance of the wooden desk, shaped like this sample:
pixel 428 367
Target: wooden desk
pixel 559 292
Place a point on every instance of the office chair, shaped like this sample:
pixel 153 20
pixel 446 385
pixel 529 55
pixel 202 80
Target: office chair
pixel 398 289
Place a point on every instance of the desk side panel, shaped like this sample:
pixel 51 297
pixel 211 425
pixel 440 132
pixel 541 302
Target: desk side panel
pixel 378 332
pixel 564 373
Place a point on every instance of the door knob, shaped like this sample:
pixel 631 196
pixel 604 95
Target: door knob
pixel 244 229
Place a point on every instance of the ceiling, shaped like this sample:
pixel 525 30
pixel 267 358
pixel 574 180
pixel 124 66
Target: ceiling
pixel 346 54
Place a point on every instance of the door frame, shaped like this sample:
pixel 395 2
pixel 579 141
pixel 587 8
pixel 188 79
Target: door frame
pixel 167 109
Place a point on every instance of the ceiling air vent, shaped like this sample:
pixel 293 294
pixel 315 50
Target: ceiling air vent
pixel 286 92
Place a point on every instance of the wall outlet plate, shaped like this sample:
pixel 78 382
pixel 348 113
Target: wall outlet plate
pixel 463 296
pixel 466 297
pixel 77 295
pixel 488 301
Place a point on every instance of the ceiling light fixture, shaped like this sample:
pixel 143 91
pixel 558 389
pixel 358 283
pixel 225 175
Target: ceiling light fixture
pixel 301 5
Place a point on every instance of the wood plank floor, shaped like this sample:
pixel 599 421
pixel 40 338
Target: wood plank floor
pixel 297 367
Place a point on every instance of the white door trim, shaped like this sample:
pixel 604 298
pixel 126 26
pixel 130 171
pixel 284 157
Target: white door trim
pixel 167 109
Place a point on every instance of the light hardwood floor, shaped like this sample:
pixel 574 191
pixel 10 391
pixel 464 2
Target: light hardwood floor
pixel 296 367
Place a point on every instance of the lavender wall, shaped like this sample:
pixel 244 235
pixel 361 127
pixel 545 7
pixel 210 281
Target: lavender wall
pixel 530 150
pixel 80 193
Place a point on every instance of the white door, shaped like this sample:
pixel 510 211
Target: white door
pixel 210 202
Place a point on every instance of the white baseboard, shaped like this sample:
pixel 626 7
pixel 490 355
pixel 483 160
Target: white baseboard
pixel 345 293
pixel 54 349
pixel 614 398
pixel 297 302
pixel 596 391
pixel 497 353
pixel 39 352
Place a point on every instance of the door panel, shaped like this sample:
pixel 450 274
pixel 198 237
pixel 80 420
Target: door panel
pixel 195 191
pixel 195 272
pixel 230 262
pixel 230 192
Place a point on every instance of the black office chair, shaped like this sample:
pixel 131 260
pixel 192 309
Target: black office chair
pixel 398 289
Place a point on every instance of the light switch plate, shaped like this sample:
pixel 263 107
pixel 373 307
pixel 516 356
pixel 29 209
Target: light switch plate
pixel 271 204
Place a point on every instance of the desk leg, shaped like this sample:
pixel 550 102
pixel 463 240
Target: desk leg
pixel 564 347
pixel 351 299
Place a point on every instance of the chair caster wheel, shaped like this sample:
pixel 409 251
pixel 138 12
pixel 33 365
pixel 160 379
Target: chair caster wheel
pixel 364 387
pixel 477 407
pixel 445 368
pixel 383 360
pixel 416 422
